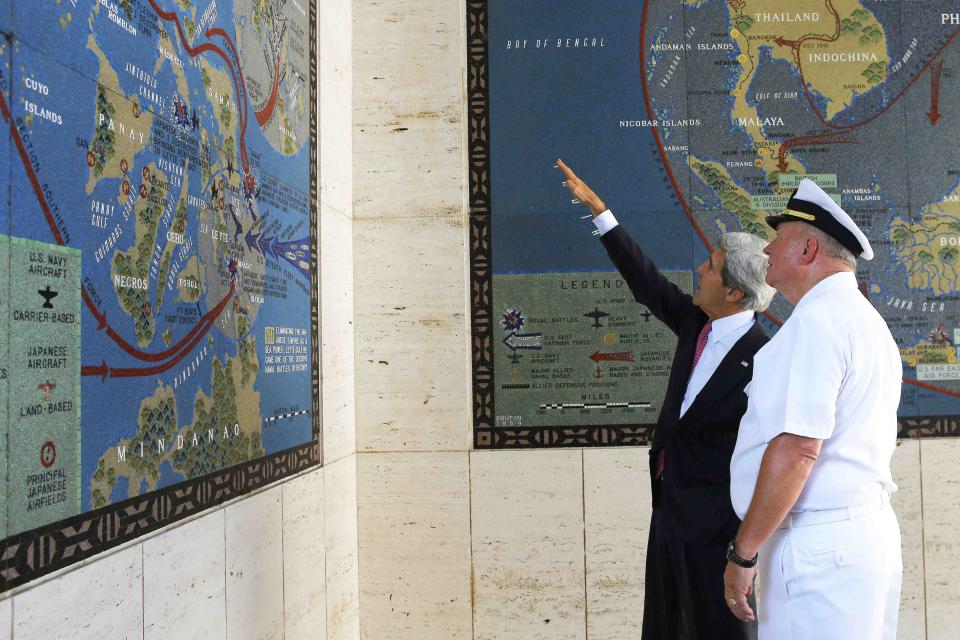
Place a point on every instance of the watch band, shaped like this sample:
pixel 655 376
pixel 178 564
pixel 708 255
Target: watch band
pixel 737 560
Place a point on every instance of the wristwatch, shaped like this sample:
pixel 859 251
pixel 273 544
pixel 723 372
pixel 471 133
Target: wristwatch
pixel 737 560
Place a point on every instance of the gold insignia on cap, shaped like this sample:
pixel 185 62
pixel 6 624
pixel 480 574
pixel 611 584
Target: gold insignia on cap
pixel 799 214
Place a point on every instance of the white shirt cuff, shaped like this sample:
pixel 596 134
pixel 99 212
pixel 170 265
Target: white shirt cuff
pixel 605 221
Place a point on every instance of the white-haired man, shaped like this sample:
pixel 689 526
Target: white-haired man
pixel 810 475
pixel 717 335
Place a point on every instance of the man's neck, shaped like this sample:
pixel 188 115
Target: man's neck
pixel 815 278
pixel 726 312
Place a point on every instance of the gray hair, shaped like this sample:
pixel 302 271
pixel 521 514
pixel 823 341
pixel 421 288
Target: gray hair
pixel 745 269
pixel 832 248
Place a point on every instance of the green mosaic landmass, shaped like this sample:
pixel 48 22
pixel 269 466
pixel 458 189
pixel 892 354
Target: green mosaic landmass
pixel 226 430
pixel 135 263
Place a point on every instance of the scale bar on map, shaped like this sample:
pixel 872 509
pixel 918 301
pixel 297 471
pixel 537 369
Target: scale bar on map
pixel 286 416
pixel 595 405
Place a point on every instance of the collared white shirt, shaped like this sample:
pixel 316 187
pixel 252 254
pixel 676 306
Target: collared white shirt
pixel 832 372
pixel 723 334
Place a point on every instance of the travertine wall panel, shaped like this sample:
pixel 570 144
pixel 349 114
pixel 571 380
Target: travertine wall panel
pixel 335 75
pixel 254 543
pixel 528 550
pixel 941 515
pixel 408 108
pixel 411 358
pixel 304 558
pixel 340 522
pixel 184 580
pixel 6 619
pixel 414 527
pixel 103 599
pixel 337 335
pixel 617 519
pixel 338 494
pixel 908 506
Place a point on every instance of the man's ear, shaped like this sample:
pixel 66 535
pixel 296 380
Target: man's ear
pixel 811 247
pixel 734 295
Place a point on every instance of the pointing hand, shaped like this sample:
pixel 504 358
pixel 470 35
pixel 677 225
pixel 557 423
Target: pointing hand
pixel 579 190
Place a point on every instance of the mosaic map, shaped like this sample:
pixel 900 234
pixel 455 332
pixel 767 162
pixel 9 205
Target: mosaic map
pixel 157 254
pixel 690 119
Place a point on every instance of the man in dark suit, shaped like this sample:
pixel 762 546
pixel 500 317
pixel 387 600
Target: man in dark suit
pixel 717 336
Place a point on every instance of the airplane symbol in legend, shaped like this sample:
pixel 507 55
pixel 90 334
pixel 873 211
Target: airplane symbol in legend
pixel 596 314
pixel 45 388
pixel 48 294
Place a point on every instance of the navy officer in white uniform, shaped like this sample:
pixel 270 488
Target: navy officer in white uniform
pixel 810 474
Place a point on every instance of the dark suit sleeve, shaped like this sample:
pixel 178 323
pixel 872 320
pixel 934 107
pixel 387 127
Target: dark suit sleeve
pixel 664 299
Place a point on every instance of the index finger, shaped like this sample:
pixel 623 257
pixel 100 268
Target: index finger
pixel 567 171
pixel 743 607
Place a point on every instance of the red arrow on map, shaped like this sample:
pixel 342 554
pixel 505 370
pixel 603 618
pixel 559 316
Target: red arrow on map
pixel 96 370
pixel 783 42
pixel 782 163
pixel 626 356
pixel 935 70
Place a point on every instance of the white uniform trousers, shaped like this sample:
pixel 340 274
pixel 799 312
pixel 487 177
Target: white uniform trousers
pixel 832 575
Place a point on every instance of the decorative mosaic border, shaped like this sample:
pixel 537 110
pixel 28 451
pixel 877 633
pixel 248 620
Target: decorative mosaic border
pixel 27 556
pixel 485 434
pixel 929 427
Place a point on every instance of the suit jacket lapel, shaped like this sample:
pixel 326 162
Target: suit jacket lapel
pixel 681 370
pixel 730 372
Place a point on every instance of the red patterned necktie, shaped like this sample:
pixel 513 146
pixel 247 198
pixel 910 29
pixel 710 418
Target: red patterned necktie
pixel 697 352
pixel 701 345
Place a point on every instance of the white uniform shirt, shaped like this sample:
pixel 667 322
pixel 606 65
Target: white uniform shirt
pixel 831 372
pixel 723 334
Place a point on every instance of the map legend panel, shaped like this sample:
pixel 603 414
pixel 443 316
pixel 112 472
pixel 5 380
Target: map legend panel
pixel 43 481
pixel 5 371
pixel 576 349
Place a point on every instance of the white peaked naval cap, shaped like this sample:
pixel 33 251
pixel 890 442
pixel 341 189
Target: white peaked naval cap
pixel 809 203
